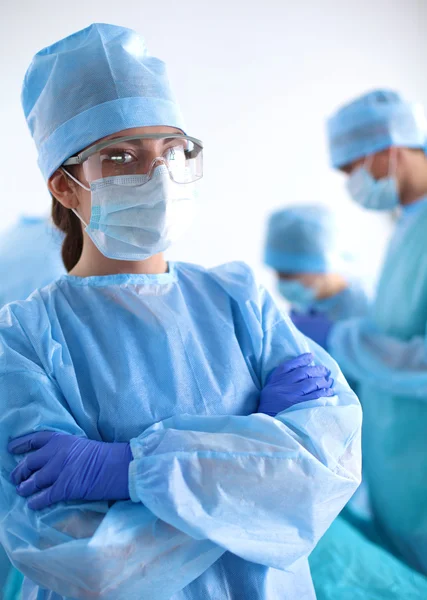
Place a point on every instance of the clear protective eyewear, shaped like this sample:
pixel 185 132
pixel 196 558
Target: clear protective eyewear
pixel 140 154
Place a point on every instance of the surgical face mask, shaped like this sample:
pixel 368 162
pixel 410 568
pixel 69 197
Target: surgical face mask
pixel 299 295
pixel 134 217
pixel 373 194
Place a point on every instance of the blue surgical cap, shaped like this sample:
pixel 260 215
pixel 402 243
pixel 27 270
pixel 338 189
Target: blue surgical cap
pixel 304 239
pixel 374 122
pixel 94 83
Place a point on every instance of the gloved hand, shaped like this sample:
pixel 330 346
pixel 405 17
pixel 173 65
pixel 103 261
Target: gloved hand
pixel 294 381
pixel 67 467
pixel 316 326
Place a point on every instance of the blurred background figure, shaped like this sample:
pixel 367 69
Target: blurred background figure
pixel 379 142
pixel 305 247
pixel 35 260
pixel 346 565
pixel 30 258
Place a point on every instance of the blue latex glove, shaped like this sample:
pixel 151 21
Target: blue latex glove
pixel 296 380
pixel 67 467
pixel 315 326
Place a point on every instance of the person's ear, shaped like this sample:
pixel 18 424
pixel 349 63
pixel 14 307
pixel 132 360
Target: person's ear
pixel 63 189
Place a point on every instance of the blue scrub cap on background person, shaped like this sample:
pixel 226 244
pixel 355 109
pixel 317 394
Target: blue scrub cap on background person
pixel 304 239
pixel 375 121
pixel 94 83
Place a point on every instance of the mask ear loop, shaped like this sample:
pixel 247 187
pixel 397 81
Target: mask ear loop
pixel 367 164
pixel 393 175
pixel 74 179
pixel 393 163
pixel 82 186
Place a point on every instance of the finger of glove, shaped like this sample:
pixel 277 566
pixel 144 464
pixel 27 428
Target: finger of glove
pixel 41 500
pixel 290 365
pixel 303 373
pixel 273 408
pixel 39 481
pixel 324 393
pixel 29 442
pixel 318 371
pixel 312 384
pixel 28 465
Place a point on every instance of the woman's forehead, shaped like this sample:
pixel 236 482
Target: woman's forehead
pixel 141 131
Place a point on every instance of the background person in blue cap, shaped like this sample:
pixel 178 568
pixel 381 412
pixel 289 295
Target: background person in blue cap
pixel 305 247
pixel 30 257
pixel 379 140
pixel 165 432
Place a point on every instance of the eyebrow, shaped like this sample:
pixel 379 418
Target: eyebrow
pixel 118 136
pixel 128 142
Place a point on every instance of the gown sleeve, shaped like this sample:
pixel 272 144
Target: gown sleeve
pixel 263 488
pixel 81 550
pixel 392 365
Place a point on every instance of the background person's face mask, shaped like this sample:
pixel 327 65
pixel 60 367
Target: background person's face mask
pixel 299 295
pixel 134 218
pixel 381 194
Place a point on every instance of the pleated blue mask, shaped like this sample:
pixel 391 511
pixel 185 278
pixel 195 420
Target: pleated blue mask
pixel 298 294
pixel 381 194
pixel 134 217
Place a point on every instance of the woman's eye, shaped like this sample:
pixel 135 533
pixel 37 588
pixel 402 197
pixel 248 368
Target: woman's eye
pixel 119 158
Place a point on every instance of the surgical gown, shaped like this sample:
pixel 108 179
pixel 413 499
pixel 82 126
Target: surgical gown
pixel 224 503
pixel 387 356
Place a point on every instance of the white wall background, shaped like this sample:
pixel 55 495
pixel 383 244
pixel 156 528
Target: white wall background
pixel 255 81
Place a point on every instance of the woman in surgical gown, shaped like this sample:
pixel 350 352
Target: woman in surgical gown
pixel 219 502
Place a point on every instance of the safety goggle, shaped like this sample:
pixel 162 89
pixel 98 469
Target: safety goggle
pixel 140 154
